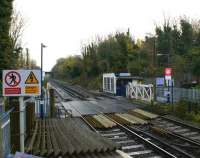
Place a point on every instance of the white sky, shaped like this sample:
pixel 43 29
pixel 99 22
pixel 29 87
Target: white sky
pixel 64 25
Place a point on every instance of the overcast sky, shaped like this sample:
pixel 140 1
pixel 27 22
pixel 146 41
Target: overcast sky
pixel 64 25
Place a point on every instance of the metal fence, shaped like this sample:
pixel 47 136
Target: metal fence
pixel 177 94
pixel 5 132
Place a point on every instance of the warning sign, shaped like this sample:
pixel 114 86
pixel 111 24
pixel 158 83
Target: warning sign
pixel 21 82
pixel 168 73
pixel 12 78
pixel 31 79
pixel 31 89
pixel 12 90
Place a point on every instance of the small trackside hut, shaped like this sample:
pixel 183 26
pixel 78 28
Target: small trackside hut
pixel 115 83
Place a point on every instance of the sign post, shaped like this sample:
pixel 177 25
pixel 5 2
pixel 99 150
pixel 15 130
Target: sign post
pixel 168 73
pixel 21 83
pixel 21 109
pixel 168 78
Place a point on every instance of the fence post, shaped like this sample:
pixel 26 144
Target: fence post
pixel 52 103
pixel 21 108
pixel 30 117
pixel 14 127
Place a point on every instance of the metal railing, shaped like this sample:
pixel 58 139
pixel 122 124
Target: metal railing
pixel 139 91
pixel 5 132
pixel 177 94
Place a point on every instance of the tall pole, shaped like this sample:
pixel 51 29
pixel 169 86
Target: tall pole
pixel 41 68
pixel 154 63
pixel 27 58
pixel 41 97
pixel 168 82
pixel 21 109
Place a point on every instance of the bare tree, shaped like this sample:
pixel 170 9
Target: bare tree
pixel 16 32
pixel 17 29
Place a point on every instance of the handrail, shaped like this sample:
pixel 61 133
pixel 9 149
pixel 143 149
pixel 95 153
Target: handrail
pixel 4 114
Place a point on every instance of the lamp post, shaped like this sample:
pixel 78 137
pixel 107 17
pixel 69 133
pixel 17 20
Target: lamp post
pixel 41 97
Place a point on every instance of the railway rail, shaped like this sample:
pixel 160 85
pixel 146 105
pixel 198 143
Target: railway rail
pixel 149 141
pixel 140 143
pixel 178 127
pixel 187 148
pixel 131 143
pixel 72 92
pixel 184 136
pixel 81 93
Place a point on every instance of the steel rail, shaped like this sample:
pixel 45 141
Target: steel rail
pixel 181 137
pixel 143 139
pixel 181 123
pixel 160 141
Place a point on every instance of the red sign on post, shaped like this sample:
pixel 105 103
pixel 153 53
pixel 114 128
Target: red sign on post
pixel 12 90
pixel 168 73
pixel 12 79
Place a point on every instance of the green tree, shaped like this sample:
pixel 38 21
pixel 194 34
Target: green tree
pixel 186 36
pixel 5 41
pixel 196 68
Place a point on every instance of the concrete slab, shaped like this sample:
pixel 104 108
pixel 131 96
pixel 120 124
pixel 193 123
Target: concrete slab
pixel 92 107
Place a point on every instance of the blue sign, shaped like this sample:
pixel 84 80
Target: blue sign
pixel 123 74
pixel 160 81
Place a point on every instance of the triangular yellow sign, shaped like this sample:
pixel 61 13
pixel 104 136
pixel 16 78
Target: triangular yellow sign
pixel 31 79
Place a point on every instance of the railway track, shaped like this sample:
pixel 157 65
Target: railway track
pixel 152 140
pixel 149 143
pixel 74 91
pixel 185 147
pixel 132 144
pixel 138 143
pixel 178 128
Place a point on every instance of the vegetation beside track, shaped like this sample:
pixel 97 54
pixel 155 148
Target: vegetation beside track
pixel 175 42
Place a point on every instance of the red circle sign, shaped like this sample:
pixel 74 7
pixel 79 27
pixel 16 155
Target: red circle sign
pixel 12 78
pixel 168 71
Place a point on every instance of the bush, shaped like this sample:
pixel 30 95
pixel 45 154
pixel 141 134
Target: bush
pixel 181 108
pixel 189 116
pixel 184 110
pixel 187 111
pixel 95 83
pixel 197 118
pixel 161 109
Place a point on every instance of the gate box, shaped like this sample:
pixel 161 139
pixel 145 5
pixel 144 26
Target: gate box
pixel 115 83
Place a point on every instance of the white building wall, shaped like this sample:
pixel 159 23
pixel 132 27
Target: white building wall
pixel 106 87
